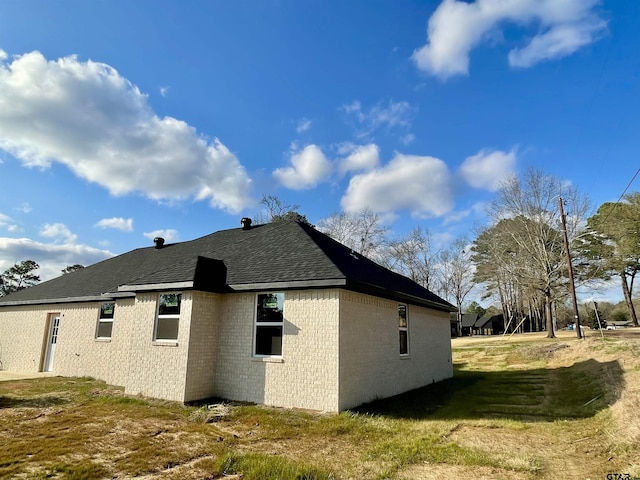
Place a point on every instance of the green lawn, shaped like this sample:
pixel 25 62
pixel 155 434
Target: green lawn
pixel 522 408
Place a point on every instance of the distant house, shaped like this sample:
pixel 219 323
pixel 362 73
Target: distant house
pixel 454 324
pixel 278 314
pixel 489 325
pixel 468 323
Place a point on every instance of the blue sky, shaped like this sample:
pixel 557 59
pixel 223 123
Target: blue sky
pixel 121 121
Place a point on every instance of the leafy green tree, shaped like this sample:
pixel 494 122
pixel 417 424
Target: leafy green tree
pixel 595 319
pixel 72 268
pixel 619 316
pixel 475 307
pixel 19 277
pixel 612 246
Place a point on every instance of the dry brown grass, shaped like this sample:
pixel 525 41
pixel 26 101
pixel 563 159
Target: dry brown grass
pixel 524 407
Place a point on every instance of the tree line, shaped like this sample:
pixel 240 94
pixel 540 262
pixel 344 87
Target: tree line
pixel 521 258
pixel 518 260
pixel 24 275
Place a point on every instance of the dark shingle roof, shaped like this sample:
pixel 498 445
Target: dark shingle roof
pixel 283 254
pixel 469 319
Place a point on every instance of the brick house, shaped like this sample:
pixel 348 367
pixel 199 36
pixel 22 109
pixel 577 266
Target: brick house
pixel 278 314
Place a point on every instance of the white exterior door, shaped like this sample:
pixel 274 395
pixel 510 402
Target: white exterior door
pixel 54 326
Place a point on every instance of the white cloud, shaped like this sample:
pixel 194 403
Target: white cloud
pixel 59 232
pixel 456 217
pixel 24 208
pixel 478 209
pixel 456 27
pixel 419 184
pixel 304 124
pixel 408 138
pixel 169 235
pixel 164 91
pixel 442 239
pixel 488 169
pixel 5 220
pixel 391 115
pixel 119 223
pixel 87 117
pixel 308 168
pixel 358 157
pixel 52 258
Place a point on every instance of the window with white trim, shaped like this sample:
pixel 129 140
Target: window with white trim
pixel 105 320
pixel 269 324
pixel 403 329
pixel 168 318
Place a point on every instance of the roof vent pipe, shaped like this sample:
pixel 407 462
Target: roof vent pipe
pixel 158 242
pixel 246 223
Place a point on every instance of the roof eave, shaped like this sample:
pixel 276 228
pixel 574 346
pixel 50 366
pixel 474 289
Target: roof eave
pixel 156 287
pixel 290 285
pixel 105 297
pixel 372 289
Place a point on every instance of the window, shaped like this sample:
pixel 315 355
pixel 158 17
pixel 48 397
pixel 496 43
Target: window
pixel 269 323
pixel 403 327
pixel 105 321
pixel 168 317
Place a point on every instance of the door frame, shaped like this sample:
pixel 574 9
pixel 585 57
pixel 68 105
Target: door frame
pixel 52 332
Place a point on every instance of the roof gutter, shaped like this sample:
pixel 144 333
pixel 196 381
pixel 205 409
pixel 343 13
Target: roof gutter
pixel 247 287
pixel 90 298
pixel 371 289
pixel 155 287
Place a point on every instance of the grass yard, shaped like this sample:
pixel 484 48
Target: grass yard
pixel 524 407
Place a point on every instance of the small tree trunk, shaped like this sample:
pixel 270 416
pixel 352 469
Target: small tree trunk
pixel 627 299
pixel 548 314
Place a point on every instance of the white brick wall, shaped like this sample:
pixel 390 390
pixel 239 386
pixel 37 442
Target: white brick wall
pixel 157 369
pixel 340 348
pixel 306 376
pixel 203 346
pixel 371 366
pixel 22 336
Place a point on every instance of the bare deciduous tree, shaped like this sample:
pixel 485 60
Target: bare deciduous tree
pixel 363 232
pixel 456 272
pixel 277 210
pixel 413 256
pixel 534 233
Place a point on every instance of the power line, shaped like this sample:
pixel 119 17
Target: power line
pixel 627 187
pixel 620 197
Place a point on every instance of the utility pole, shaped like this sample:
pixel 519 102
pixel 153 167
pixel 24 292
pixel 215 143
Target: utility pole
pixel 572 286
